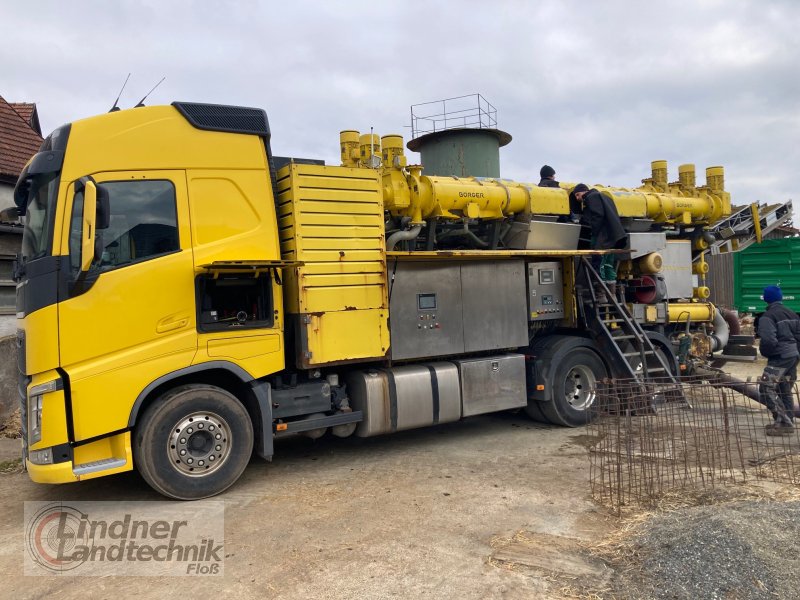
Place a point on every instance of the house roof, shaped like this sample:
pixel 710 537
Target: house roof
pixel 27 110
pixel 18 142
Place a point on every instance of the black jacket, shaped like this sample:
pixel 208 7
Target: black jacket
pixel 545 182
pixel 779 331
pixel 600 214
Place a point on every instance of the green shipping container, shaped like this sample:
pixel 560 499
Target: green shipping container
pixel 773 262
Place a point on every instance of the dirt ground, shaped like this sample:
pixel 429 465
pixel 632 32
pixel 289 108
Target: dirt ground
pixel 450 511
pixel 493 507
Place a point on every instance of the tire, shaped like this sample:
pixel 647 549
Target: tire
pixel 574 383
pixel 534 412
pixel 193 442
pixel 559 359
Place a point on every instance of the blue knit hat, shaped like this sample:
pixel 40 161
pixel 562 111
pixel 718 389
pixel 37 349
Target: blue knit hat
pixel 772 293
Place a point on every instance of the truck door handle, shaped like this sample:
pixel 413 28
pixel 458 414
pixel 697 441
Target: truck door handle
pixel 171 323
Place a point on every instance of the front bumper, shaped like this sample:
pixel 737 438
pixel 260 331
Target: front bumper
pixel 102 457
pixel 58 473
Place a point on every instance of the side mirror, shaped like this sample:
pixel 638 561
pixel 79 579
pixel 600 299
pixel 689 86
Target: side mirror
pixel 103 208
pixel 89 225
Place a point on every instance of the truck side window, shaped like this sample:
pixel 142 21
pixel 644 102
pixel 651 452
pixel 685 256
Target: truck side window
pixel 144 224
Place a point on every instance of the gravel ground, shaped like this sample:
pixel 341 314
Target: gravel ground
pixel 731 543
pixel 736 551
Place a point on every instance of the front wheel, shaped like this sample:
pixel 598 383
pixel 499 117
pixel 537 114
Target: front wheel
pixel 193 442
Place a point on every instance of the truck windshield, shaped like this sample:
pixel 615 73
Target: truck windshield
pixel 37 234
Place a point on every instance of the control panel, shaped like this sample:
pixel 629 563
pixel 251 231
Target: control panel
pixel 443 308
pixel 545 291
pixel 426 311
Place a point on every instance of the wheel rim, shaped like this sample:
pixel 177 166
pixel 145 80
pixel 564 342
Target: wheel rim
pixel 579 387
pixel 199 444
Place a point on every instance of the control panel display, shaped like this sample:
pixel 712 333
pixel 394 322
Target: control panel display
pixel 545 291
pixel 426 301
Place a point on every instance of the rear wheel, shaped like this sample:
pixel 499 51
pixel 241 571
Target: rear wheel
pixel 193 442
pixel 571 370
pixel 574 386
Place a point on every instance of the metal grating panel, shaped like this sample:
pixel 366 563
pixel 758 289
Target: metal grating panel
pixel 720 279
pixel 218 117
pixel 331 219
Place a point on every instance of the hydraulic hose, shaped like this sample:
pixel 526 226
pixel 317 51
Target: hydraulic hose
pixel 402 236
pixel 718 378
pixel 721 331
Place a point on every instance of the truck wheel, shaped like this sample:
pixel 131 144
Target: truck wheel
pixel 534 412
pixel 574 384
pixel 193 442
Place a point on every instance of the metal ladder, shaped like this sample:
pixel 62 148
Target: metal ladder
pixel 619 335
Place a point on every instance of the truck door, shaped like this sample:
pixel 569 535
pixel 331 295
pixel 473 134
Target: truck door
pixel 131 317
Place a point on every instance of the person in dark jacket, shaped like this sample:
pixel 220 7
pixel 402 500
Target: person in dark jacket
pixel 601 216
pixel 779 334
pixel 547 176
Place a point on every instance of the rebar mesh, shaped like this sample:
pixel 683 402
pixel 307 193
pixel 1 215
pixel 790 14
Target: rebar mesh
pixel 658 437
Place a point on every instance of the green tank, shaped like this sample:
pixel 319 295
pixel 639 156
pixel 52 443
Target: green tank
pixel 773 262
pixel 462 152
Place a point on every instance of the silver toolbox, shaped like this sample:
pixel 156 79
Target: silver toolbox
pixel 492 384
pixel 642 244
pixel 405 397
pixel 542 235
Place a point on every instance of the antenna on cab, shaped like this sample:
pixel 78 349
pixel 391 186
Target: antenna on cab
pixel 115 108
pixel 141 102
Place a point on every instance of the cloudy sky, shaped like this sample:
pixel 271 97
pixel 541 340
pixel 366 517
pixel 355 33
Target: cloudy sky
pixel 596 89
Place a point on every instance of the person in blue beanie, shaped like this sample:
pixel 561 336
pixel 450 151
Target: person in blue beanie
pixel 779 334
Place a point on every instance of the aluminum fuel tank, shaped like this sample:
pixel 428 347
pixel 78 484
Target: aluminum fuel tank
pixel 405 397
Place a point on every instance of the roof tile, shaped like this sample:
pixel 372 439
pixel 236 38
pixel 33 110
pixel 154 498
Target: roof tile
pixel 18 141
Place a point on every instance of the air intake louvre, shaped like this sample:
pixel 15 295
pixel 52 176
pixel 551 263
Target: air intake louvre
pixel 232 119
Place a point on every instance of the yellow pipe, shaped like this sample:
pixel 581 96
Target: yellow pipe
pixel 695 311
pixel 453 197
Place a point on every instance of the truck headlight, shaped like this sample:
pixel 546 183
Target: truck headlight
pixel 41 457
pixel 35 402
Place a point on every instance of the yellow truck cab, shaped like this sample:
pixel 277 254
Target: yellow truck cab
pixel 117 294
pixel 182 303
